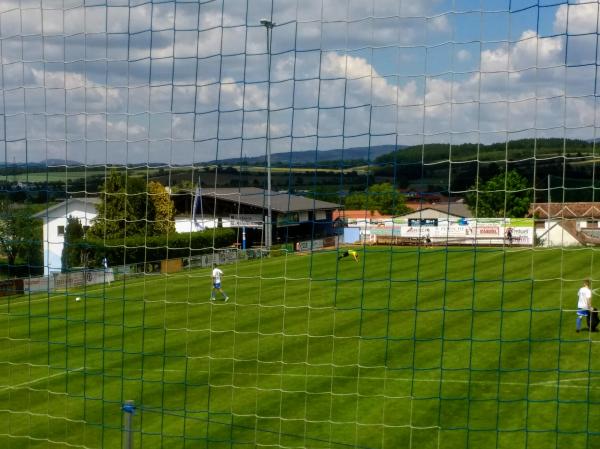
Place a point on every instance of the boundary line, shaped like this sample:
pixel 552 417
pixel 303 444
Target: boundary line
pixel 34 381
pixel 548 383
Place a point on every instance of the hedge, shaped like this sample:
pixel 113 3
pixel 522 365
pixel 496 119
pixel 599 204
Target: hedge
pixel 139 248
pixel 20 270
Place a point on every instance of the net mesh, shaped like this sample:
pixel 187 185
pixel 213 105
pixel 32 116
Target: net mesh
pixel 400 197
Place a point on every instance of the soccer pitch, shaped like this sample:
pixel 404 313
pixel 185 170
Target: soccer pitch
pixel 409 348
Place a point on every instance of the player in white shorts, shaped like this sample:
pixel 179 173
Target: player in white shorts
pixel 216 279
pixel 584 303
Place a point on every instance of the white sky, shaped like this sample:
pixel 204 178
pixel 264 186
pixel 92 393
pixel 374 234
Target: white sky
pixel 182 82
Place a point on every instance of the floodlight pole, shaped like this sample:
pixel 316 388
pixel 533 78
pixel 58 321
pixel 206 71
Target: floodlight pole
pixel 549 201
pixel 268 24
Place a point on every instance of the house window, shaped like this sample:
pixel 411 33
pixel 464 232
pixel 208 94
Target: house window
pixel 60 230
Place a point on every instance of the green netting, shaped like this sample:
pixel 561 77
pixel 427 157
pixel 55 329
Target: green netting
pixel 400 196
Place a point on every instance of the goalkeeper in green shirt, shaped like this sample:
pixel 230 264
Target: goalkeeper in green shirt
pixel 349 252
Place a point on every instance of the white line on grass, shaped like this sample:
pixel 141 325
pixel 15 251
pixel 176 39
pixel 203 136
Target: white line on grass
pixel 42 415
pixel 575 379
pixel 41 379
pixel 47 440
pixel 550 383
pixel 547 383
pixel 401 379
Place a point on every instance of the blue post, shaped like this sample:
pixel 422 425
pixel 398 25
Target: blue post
pixel 243 237
pixel 128 411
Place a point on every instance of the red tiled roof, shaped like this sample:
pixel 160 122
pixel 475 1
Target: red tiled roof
pixel 456 208
pixel 357 214
pixel 565 210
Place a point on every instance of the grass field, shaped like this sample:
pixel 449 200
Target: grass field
pixel 409 348
pixel 70 174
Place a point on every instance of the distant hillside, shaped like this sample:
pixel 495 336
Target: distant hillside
pixel 570 164
pixel 311 157
pixel 42 164
pixel 511 151
pixel 60 162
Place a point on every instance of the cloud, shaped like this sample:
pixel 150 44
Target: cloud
pixel 463 55
pixel 577 18
pixel 195 73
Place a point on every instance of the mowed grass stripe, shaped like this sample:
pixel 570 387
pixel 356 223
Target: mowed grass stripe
pixel 471 348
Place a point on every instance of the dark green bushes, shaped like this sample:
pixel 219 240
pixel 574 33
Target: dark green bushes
pixel 140 248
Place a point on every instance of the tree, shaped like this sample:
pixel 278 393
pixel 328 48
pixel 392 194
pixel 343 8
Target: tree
pixel 20 235
pixel 161 210
pixel 73 254
pixel 122 207
pixel 129 206
pixel 383 197
pixel 505 195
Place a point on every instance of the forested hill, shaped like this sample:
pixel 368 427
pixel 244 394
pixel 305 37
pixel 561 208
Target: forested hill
pixel 513 150
pixel 571 165
pixel 312 157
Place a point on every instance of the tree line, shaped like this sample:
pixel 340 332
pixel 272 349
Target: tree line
pixel 508 194
pixel 457 168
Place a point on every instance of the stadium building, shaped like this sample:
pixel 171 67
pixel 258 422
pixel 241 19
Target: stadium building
pixel 295 217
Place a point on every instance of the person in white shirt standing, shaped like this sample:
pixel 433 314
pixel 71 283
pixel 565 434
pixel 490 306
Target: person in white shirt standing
pixel 584 303
pixel 105 266
pixel 216 279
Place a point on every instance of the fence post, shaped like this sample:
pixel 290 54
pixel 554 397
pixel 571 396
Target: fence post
pixel 128 411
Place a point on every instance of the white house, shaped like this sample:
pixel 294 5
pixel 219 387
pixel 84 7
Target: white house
pixel 54 224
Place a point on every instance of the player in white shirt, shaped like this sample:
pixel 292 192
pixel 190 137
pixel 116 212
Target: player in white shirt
pixel 584 303
pixel 105 266
pixel 216 279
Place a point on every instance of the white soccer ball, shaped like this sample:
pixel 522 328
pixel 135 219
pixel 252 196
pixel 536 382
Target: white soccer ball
pixel 78 299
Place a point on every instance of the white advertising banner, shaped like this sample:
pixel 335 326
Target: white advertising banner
pixel 488 231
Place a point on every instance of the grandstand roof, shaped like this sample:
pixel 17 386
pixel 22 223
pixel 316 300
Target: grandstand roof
pixel 280 201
